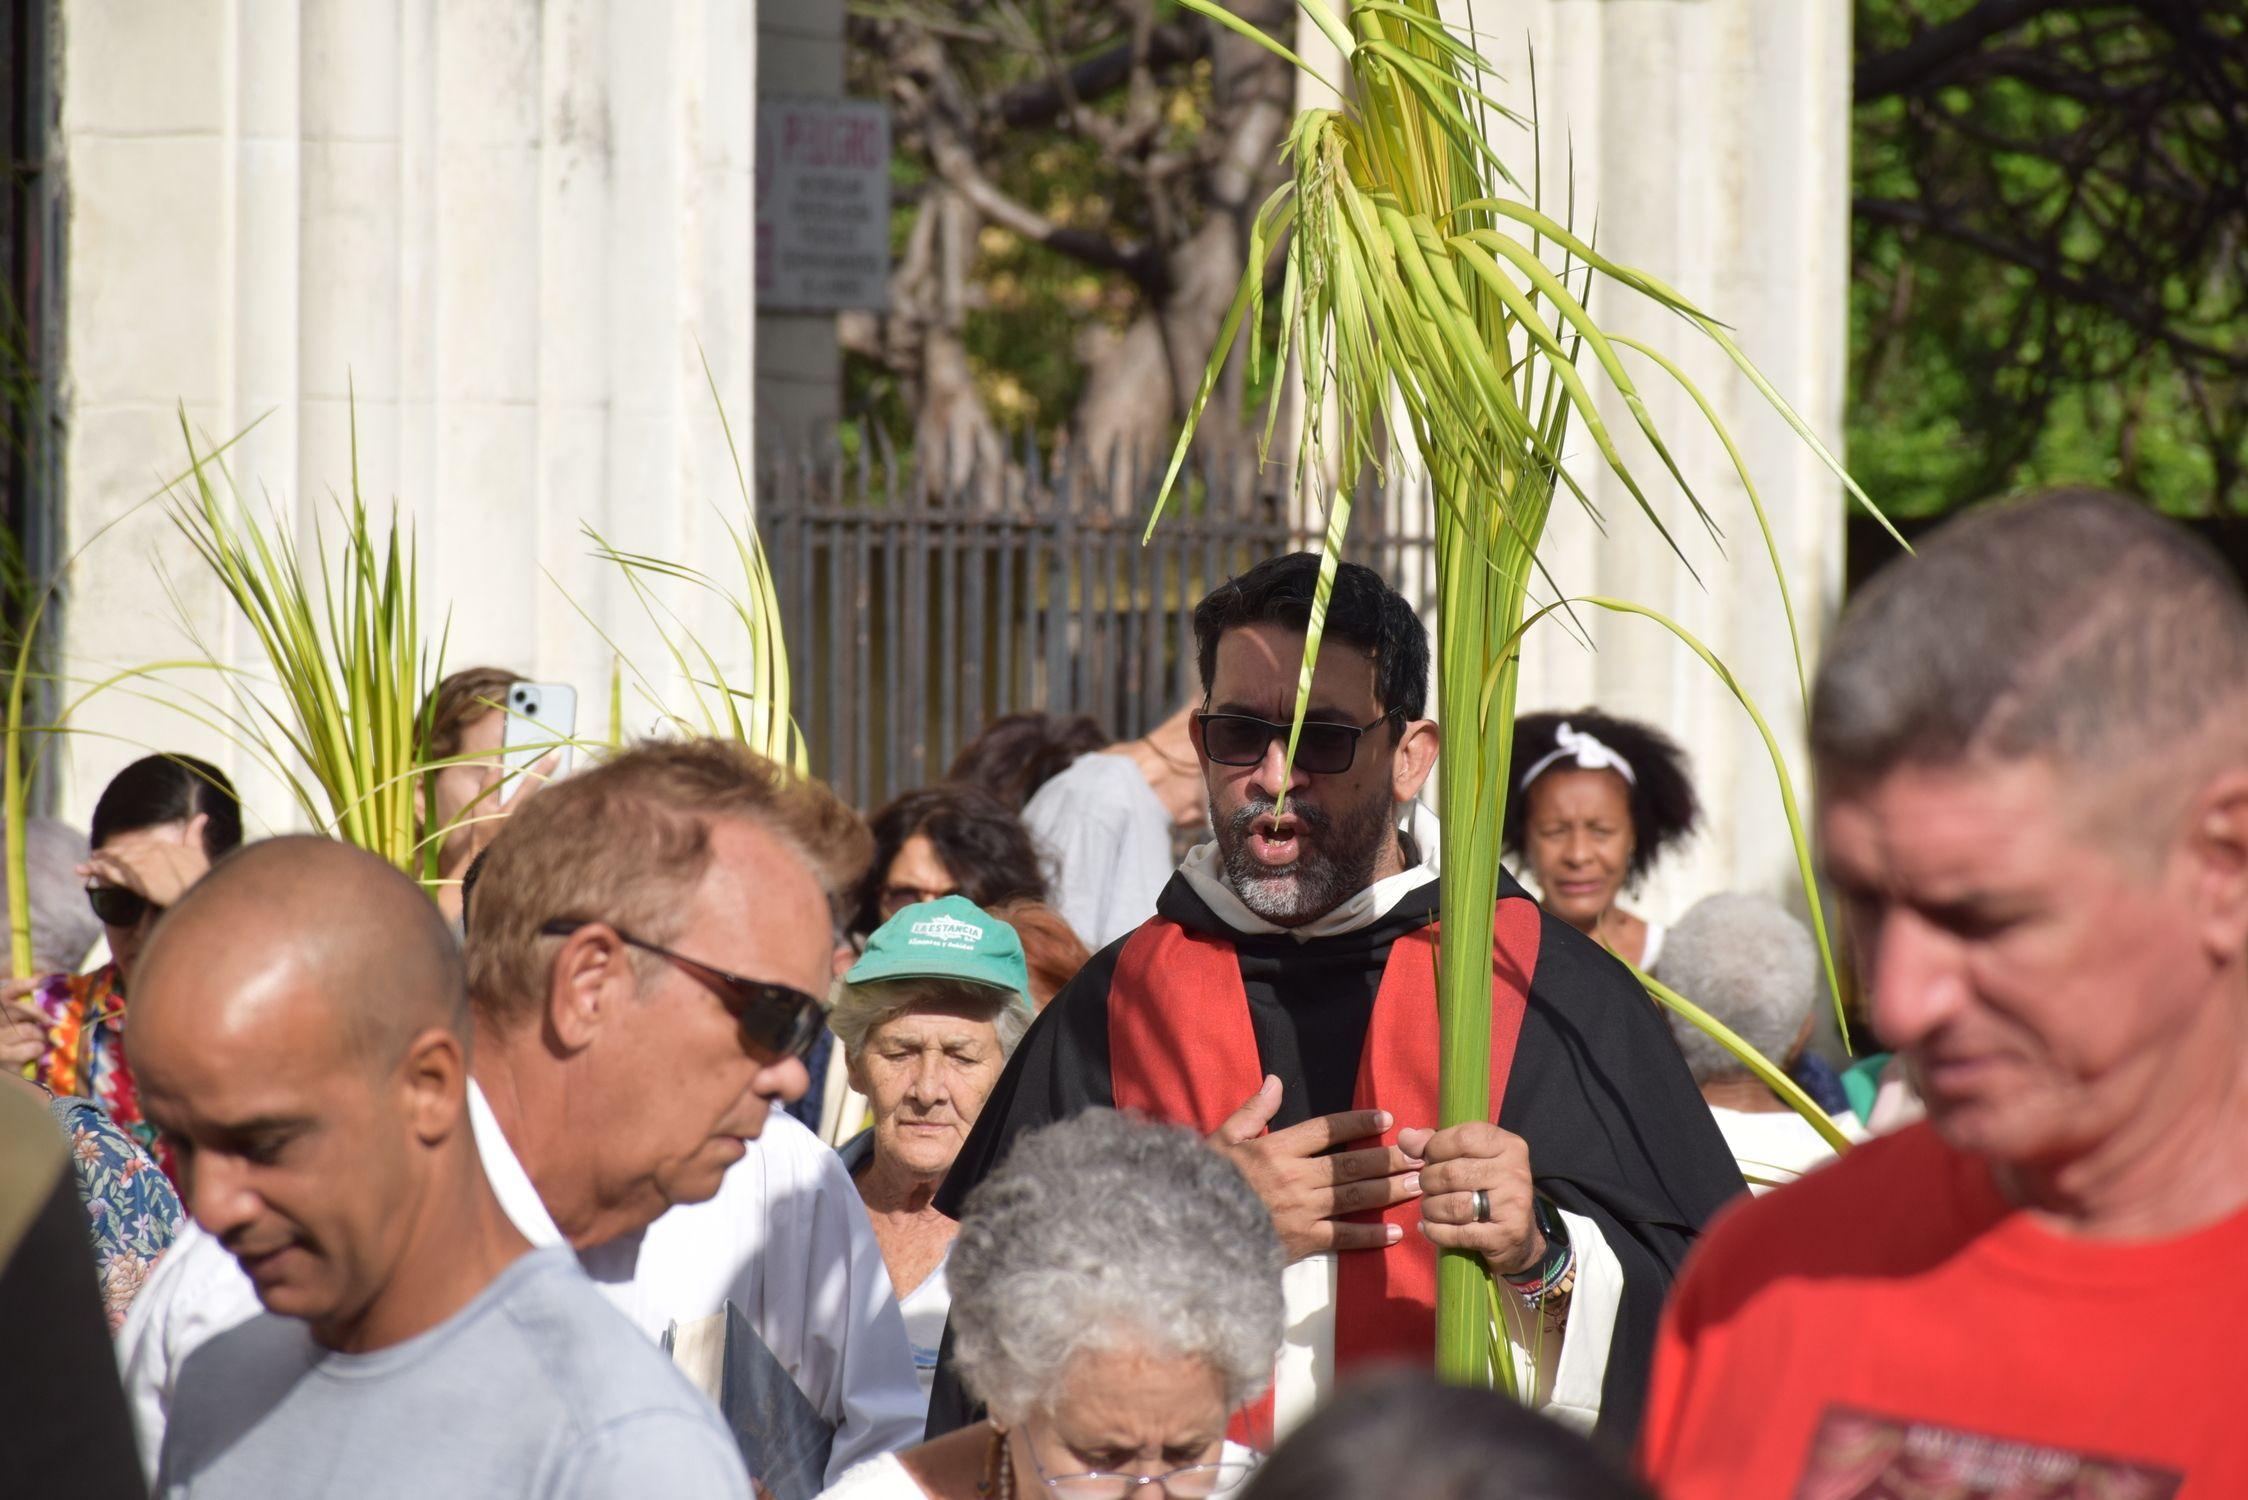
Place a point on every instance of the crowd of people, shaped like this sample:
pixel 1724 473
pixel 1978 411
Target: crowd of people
pixel 1071 1125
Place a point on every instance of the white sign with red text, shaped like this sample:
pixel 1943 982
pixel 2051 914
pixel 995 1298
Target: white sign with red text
pixel 823 205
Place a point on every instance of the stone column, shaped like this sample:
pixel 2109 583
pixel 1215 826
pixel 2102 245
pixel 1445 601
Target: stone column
pixel 503 233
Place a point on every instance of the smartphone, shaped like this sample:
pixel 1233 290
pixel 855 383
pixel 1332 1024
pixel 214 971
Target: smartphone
pixel 538 715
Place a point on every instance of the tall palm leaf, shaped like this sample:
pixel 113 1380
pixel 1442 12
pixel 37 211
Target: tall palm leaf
pixel 1429 296
pixel 757 709
pixel 346 726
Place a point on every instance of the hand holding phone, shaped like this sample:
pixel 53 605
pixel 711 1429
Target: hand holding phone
pixel 541 718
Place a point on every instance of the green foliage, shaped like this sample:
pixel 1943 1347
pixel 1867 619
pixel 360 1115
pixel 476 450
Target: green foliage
pixel 2050 251
pixel 2110 134
pixel 344 644
pixel 1031 308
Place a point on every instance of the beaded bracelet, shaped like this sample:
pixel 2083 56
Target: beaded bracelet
pixel 1553 1279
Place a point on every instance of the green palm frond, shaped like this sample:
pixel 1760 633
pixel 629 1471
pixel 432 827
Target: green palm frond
pixel 345 725
pixel 1427 295
pixel 757 710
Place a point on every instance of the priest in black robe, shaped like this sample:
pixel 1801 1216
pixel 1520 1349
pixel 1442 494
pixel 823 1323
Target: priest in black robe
pixel 1282 1001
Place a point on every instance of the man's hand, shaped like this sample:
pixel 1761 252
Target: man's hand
pixel 1462 1159
pixel 1307 1191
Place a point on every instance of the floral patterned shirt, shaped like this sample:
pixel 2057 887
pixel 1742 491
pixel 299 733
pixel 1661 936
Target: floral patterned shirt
pixel 133 1211
pixel 86 1052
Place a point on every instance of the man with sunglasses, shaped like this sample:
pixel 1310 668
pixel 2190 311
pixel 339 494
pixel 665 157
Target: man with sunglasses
pixel 645 947
pixel 1283 1001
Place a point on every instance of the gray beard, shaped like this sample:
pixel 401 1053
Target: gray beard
pixel 1337 861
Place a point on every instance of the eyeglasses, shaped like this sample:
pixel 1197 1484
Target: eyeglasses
pixel 777 1021
pixel 1194 1482
pixel 120 906
pixel 1322 749
pixel 896 898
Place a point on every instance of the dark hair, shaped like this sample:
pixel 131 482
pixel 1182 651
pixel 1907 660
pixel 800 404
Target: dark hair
pixel 469 877
pixel 2075 624
pixel 1363 612
pixel 985 848
pixel 1019 753
pixel 1410 1435
pixel 1664 809
pixel 160 789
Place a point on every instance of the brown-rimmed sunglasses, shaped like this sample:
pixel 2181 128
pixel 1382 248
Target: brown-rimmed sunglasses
pixel 776 1020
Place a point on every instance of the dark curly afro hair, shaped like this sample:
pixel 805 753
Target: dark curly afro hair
pixel 1664 809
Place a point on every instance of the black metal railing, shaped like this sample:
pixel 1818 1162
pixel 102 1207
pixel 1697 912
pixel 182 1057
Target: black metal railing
pixel 918 608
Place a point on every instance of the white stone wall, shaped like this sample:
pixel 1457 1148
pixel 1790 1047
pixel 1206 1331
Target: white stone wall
pixel 1710 138
pixel 505 224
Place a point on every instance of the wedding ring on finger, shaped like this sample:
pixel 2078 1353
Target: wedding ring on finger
pixel 1482 1206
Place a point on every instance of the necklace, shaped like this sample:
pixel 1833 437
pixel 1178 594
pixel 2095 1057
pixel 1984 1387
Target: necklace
pixel 999 1475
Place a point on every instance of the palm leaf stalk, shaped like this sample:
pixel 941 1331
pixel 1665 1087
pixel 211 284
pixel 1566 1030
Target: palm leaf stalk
pixel 1421 300
pixel 342 639
pixel 757 711
pixel 23 743
pixel 15 784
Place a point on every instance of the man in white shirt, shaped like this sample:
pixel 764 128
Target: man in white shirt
pixel 645 945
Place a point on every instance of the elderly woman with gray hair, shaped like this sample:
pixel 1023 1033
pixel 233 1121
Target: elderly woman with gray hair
pixel 1116 1298
pixel 1755 968
pixel 927 1018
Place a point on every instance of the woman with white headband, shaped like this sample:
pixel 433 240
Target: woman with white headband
pixel 1596 801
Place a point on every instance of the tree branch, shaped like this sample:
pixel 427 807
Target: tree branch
pixel 2053 272
pixel 1104 72
pixel 957 166
pixel 1923 60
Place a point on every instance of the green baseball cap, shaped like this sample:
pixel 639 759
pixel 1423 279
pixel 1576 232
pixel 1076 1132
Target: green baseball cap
pixel 948 938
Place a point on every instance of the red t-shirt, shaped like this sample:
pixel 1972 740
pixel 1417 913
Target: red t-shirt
pixel 1890 1327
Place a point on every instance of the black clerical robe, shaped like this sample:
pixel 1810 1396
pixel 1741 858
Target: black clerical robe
pixel 1616 1130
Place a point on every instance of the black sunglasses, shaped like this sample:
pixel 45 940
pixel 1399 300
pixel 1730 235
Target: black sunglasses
pixel 119 906
pixel 776 1020
pixel 1322 749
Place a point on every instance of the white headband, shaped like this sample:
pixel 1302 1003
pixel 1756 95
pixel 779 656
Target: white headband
pixel 1588 753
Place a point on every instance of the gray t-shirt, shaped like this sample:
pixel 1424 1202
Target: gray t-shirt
pixel 1109 837
pixel 537 1388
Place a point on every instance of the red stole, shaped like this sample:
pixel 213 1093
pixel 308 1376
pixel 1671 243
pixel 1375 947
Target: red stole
pixel 1181 1049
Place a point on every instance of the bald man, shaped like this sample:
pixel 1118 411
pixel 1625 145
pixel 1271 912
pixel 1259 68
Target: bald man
pixel 300 1029
pixel 650 940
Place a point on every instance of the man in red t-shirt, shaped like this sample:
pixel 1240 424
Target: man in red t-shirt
pixel 2032 747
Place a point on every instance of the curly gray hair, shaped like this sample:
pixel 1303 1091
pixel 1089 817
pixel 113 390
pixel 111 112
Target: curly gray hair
pixel 859 1009
pixel 1105 1232
pixel 1747 962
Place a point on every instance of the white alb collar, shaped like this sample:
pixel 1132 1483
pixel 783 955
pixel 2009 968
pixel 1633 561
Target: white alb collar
pixel 1205 872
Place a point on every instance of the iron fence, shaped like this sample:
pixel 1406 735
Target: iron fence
pixel 918 609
